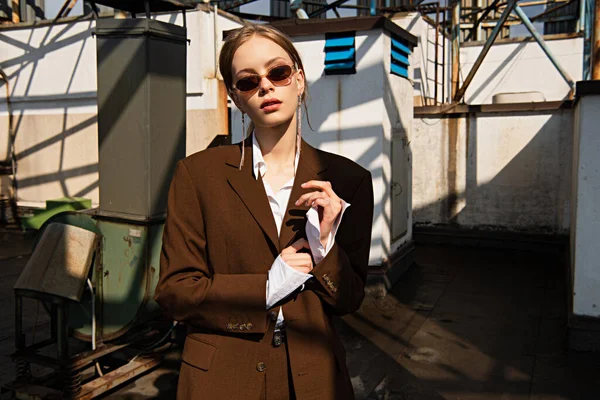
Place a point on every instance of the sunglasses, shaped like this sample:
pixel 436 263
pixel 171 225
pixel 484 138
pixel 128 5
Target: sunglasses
pixel 280 75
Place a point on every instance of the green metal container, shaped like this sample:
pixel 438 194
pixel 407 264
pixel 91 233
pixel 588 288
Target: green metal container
pixel 124 275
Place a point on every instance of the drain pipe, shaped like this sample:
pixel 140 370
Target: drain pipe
pixel 216 39
pixel 11 136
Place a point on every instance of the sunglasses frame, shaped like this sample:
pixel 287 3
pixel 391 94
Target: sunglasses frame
pixel 260 77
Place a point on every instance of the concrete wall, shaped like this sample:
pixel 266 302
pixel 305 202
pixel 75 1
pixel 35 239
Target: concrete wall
pixel 585 252
pixel 52 73
pixel 508 171
pixel 423 59
pixel 521 67
pixel 350 117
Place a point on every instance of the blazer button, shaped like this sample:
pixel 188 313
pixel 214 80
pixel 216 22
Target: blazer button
pixel 261 366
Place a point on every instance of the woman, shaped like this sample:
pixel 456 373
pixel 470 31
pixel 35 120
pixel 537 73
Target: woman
pixel 264 242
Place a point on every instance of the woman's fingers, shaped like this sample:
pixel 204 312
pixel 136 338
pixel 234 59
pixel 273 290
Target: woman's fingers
pixel 297 258
pixel 322 202
pixel 299 261
pixel 324 186
pixel 296 246
pixel 308 198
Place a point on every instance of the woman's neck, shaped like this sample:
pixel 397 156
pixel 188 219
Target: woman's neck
pixel 278 144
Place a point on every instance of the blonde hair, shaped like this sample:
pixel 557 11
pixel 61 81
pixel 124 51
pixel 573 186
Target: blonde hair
pixel 240 36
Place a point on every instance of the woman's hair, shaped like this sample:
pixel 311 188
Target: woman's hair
pixel 240 36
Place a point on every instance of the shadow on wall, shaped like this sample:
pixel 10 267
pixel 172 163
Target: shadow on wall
pixel 498 186
pixel 51 42
pixel 333 98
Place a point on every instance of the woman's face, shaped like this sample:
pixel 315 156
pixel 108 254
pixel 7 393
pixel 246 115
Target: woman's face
pixel 270 104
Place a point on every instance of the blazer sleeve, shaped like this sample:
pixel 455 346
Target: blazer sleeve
pixel 187 289
pixel 342 274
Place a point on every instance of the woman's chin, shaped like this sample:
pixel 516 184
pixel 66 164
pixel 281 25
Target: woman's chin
pixel 273 120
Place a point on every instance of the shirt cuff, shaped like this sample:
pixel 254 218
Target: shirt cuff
pixel 313 232
pixel 282 281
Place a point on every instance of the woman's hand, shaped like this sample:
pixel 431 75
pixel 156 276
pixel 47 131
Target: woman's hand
pixel 301 262
pixel 328 204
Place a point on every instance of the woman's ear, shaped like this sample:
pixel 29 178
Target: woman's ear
pixel 301 82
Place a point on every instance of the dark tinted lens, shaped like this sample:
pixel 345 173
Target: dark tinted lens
pixel 279 74
pixel 248 83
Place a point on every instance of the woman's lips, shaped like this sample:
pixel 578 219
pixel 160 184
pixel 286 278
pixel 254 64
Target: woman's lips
pixel 271 107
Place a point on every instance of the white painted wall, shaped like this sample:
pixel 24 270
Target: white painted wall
pixel 397 125
pixel 521 67
pixel 506 171
pixel 585 251
pixel 423 58
pixel 349 118
pixel 52 73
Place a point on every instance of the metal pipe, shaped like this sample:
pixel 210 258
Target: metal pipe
pixel 486 48
pixel 483 15
pixel 437 35
pixel 216 39
pixel 19 344
pixel 444 70
pixel 62 335
pixel 455 46
pixel 596 43
pixel 53 329
pixel 477 27
pixel 565 75
pixel 324 9
pixel 581 20
pixel 93 294
pixel 12 142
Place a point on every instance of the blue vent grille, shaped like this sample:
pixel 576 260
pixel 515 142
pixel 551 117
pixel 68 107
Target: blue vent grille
pixel 340 54
pixel 400 55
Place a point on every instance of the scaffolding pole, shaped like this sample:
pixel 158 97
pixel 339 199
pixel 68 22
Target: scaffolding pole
pixel 486 48
pixel 455 47
pixel 565 75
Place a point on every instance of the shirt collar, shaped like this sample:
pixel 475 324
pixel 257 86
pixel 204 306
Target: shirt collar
pixel 259 164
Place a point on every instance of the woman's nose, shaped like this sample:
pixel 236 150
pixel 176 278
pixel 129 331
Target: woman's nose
pixel 265 85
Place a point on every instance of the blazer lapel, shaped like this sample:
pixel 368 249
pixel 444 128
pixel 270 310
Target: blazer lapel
pixel 252 191
pixel 310 167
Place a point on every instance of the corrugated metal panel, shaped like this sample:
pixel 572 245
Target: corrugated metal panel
pixel 280 9
pixel 563 20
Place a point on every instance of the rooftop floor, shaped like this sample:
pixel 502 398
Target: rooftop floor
pixel 462 323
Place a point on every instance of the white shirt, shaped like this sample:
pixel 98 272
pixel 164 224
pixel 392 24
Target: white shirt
pixel 282 279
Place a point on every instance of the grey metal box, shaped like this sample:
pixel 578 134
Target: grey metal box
pixel 141 113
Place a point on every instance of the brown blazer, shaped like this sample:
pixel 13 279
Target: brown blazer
pixel 219 242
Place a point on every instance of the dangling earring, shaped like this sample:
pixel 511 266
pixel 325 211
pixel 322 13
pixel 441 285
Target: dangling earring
pixel 243 139
pixel 299 126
